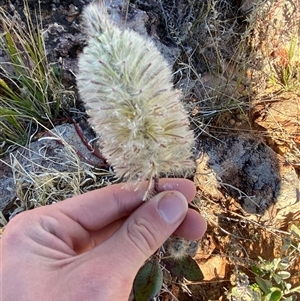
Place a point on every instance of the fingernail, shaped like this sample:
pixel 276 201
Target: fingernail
pixel 173 206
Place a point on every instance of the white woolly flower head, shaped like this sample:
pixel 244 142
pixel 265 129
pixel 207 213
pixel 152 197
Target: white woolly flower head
pixel 178 247
pixel 126 85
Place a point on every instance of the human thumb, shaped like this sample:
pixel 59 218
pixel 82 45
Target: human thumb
pixel 148 227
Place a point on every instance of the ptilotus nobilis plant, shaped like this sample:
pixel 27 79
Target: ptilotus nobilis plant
pixel 126 86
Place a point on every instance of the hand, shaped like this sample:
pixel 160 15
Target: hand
pixel 91 246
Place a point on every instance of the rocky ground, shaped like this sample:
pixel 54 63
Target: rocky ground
pixel 247 145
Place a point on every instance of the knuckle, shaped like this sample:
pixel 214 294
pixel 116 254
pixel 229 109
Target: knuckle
pixel 142 234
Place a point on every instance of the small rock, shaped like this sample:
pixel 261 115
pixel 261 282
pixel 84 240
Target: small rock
pixel 214 268
pixel 7 185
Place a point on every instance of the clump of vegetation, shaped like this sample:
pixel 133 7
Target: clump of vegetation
pixel 31 90
pixel 61 177
pixel 273 35
pixel 31 96
pixel 270 276
pixel 273 41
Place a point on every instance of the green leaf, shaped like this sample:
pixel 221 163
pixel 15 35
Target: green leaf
pixel 185 267
pixel 257 270
pixel 281 275
pixel 265 285
pixel 277 279
pixel 284 264
pixel 290 298
pixel 245 294
pixel 274 295
pixel 148 281
pixel 284 274
pixel 295 289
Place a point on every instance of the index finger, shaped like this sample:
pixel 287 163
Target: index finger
pixel 97 209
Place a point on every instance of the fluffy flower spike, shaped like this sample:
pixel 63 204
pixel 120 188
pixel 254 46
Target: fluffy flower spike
pixel 126 84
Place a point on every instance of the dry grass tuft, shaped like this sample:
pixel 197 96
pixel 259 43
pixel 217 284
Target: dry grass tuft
pixel 41 179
